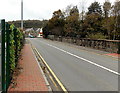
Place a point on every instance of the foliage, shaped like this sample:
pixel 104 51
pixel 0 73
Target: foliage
pixel 97 36
pixel 106 8
pixel 46 31
pixel 93 24
pixel 117 18
pixel 12 48
pixel 16 37
pixel 95 8
pixel 99 22
pixel 19 37
pixel 72 22
pixel 108 26
pixel 56 23
pixel 30 23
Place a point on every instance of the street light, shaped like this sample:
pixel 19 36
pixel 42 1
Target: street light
pixel 21 14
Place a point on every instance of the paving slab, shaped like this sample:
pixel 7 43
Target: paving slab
pixel 31 78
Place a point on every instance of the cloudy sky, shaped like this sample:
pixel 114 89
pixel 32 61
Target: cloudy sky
pixel 36 9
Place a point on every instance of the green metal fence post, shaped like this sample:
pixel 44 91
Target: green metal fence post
pixel 3 55
pixel 8 77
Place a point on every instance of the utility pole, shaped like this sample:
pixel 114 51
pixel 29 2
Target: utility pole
pixel 21 14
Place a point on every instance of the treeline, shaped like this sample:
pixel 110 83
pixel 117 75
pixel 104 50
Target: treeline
pixel 99 22
pixel 29 23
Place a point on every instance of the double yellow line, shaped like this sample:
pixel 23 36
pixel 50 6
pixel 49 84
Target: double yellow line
pixel 51 71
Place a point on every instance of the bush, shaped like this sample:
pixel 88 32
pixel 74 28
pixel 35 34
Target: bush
pixel 97 36
pixel 12 49
pixel 16 38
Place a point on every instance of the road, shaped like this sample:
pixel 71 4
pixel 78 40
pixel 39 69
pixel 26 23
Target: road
pixel 78 69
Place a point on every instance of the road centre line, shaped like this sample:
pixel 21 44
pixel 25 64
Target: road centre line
pixel 93 63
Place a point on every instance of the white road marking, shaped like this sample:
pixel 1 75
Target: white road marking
pixel 93 63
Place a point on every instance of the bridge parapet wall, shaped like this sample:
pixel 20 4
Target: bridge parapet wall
pixel 112 46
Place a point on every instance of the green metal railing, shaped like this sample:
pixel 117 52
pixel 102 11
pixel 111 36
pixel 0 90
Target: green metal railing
pixel 7 55
pixel 11 41
pixel 3 54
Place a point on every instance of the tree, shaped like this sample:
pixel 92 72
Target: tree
pixel 111 22
pixel 95 8
pixel 108 27
pixel 82 8
pixel 92 24
pixel 46 30
pixel 56 23
pixel 93 21
pixel 29 23
pixel 66 12
pixel 74 11
pixel 117 19
pixel 108 22
pixel 72 22
pixel 106 8
pixel 58 14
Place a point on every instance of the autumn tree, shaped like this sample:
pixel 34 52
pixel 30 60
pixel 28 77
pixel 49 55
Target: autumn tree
pixel 93 20
pixel 106 8
pixel 117 19
pixel 29 23
pixel 108 21
pixel 56 23
pixel 95 8
pixel 72 22
pixel 98 23
pixel 46 30
pixel 108 27
pixel 93 23
pixel 111 23
pixel 66 12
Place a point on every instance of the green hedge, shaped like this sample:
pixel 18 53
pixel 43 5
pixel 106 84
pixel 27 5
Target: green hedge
pixel 16 43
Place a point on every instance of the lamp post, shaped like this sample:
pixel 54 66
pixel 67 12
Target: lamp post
pixel 21 14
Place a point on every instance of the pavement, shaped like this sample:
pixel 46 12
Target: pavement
pixel 79 68
pixel 30 78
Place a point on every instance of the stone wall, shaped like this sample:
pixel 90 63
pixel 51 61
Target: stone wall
pixel 105 45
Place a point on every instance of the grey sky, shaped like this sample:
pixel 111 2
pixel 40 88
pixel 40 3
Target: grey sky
pixel 36 9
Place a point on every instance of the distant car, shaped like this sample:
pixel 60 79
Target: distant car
pixel 31 36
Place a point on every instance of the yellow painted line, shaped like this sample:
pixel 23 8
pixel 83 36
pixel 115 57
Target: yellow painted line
pixel 59 82
pixel 46 72
pixel 52 80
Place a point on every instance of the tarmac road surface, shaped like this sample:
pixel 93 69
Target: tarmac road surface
pixel 78 69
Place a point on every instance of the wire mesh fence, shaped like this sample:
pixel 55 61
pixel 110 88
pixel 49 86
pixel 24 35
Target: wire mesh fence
pixel 12 40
